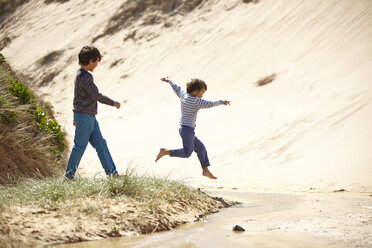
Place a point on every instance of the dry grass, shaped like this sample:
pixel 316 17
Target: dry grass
pixel 50 58
pixel 9 6
pixel 266 80
pixel 55 1
pixel 25 150
pixel 150 11
pixel 251 1
pixel 55 210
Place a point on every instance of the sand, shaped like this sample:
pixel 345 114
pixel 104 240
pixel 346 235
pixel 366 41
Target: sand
pixel 94 218
pixel 308 129
pixel 270 220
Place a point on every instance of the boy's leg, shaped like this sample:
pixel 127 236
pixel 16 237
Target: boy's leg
pixel 84 127
pixel 188 139
pixel 100 144
pixel 188 135
pixel 201 151
pixel 162 153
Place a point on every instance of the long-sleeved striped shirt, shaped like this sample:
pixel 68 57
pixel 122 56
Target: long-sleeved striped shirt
pixel 190 105
pixel 86 94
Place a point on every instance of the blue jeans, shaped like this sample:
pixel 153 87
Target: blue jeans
pixel 87 130
pixel 191 143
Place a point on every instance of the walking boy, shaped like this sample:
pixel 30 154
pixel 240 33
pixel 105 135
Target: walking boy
pixel 86 95
pixel 191 102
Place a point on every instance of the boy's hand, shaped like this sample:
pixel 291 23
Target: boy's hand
pixel 117 105
pixel 226 102
pixel 165 79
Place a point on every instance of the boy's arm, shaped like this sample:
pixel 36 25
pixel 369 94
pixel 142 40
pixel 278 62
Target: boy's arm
pixel 200 103
pixel 177 89
pixel 88 84
pixel 209 104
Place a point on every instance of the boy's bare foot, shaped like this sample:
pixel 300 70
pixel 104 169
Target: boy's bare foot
pixel 162 152
pixel 207 173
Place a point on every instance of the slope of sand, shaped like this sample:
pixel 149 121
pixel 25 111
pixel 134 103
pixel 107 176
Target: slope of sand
pixel 310 129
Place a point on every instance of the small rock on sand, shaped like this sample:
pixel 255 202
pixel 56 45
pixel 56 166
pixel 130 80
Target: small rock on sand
pixel 238 228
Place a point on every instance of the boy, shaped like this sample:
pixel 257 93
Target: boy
pixel 86 95
pixel 191 102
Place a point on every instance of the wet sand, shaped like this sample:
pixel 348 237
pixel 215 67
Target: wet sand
pixel 271 220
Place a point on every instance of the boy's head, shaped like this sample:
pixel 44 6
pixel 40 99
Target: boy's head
pixel 89 55
pixel 196 87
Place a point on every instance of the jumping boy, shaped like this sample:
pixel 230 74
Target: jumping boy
pixel 86 95
pixel 191 102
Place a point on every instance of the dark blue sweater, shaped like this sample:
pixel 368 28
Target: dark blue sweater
pixel 86 94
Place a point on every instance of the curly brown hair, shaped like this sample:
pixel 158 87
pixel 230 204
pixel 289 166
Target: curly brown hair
pixel 195 84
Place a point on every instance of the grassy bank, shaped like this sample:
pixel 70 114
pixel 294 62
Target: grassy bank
pixel 55 210
pixel 31 141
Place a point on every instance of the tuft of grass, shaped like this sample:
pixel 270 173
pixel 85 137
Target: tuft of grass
pixel 8 117
pixel 266 80
pixel 251 1
pixel 108 207
pixel 32 142
pixel 133 10
pixel 49 58
pixel 55 192
pixel 44 122
pixel 55 1
pixel 9 6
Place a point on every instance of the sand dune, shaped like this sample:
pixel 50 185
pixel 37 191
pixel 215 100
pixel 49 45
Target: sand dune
pixel 311 127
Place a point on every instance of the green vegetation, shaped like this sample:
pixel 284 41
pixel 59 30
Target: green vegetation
pixel 32 142
pixel 86 208
pixel 24 95
pixel 56 191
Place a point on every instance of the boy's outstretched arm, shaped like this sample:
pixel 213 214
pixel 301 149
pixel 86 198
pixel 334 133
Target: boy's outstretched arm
pixel 177 89
pixel 209 104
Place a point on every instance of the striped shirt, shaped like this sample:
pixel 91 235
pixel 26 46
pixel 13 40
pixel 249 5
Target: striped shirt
pixel 190 106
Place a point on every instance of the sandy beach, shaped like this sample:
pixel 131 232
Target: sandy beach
pixel 297 73
pixel 96 216
pixel 270 220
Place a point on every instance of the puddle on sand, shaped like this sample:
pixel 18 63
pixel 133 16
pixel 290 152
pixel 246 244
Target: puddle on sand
pixel 217 232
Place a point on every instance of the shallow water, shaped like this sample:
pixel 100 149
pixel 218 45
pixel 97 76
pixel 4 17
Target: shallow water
pixel 216 230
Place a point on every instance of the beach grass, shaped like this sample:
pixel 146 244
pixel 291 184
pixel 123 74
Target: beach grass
pixel 32 142
pixel 56 191
pixel 57 210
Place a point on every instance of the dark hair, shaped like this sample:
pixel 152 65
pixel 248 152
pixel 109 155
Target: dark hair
pixel 88 53
pixel 195 84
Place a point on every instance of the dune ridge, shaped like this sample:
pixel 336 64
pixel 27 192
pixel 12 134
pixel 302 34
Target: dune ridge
pixel 308 128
